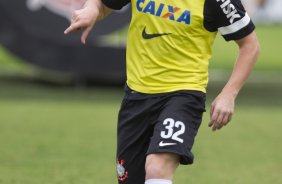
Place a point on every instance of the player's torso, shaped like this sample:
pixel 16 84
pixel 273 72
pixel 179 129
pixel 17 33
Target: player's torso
pixel 168 46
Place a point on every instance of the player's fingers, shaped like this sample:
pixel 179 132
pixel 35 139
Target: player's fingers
pixel 225 119
pixel 220 117
pixel 73 27
pixel 211 114
pixel 214 115
pixel 214 128
pixel 228 119
pixel 212 108
pixel 85 35
pixel 210 123
pixel 218 120
pixel 69 29
pixel 213 119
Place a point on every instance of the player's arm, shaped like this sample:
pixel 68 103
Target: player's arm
pixel 85 18
pixel 223 106
pixel 231 20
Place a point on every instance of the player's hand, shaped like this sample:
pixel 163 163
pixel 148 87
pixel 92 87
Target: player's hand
pixel 83 20
pixel 222 109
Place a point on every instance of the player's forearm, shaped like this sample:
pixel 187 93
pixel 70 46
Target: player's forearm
pixel 248 53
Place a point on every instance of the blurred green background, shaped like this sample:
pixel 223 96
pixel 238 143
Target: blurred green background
pixel 65 134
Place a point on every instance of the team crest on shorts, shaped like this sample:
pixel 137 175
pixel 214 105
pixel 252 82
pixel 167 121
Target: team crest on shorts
pixel 121 172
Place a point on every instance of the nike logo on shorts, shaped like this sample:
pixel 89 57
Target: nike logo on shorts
pixel 163 144
pixel 154 35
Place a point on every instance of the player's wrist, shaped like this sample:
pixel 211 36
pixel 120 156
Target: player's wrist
pixel 96 6
pixel 230 91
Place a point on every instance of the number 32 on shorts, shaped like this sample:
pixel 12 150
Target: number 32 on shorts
pixel 170 133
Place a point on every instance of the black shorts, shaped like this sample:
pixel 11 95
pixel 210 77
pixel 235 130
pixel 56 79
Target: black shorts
pixel 156 123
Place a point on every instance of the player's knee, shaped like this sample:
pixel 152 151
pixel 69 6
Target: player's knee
pixel 161 165
pixel 154 171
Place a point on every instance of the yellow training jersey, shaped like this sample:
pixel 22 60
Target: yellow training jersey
pixel 170 41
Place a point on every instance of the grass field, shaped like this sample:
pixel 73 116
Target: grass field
pixel 67 135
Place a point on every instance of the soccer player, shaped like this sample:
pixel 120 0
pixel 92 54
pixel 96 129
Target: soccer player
pixel 168 50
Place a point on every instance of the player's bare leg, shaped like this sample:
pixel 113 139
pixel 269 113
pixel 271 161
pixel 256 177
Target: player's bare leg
pixel 160 168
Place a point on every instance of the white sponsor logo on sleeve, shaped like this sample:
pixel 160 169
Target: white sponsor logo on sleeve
pixel 229 10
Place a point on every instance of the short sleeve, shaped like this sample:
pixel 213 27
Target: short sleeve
pixel 227 17
pixel 115 4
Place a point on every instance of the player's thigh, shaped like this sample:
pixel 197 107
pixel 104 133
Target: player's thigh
pixel 177 126
pixel 134 132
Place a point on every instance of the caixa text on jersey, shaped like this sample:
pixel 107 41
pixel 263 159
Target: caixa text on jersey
pixel 165 11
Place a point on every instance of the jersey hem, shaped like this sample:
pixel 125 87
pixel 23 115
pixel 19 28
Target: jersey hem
pixel 155 90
